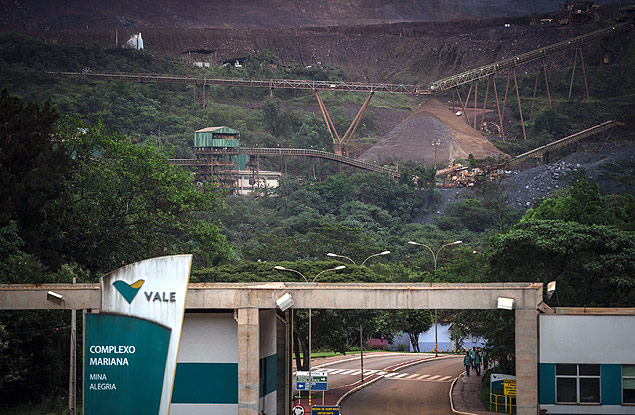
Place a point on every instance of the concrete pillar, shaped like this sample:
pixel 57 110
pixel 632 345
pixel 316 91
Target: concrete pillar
pixel 248 361
pixel 527 362
pixel 283 347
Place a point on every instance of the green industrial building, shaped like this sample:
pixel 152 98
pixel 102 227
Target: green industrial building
pixel 210 147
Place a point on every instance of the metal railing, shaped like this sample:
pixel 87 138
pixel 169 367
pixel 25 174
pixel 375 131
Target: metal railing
pixel 496 400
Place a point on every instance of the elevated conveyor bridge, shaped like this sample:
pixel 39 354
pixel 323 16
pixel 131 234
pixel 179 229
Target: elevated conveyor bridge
pixel 291 152
pixel 539 151
pixel 487 70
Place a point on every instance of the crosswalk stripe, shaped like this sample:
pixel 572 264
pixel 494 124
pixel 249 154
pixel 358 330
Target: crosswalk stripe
pixel 412 376
pixel 389 375
pixel 348 372
pixel 423 377
pixel 434 377
pixel 444 378
pixel 359 372
pixel 336 371
pixel 400 376
pixel 369 371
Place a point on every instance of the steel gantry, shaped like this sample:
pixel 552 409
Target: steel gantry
pixel 340 144
pixel 507 64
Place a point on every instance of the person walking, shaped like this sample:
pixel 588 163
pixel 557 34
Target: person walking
pixel 473 356
pixel 477 363
pixel 485 359
pixel 467 361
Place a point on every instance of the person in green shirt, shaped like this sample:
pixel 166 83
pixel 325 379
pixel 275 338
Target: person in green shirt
pixel 477 362
pixel 485 359
pixel 467 361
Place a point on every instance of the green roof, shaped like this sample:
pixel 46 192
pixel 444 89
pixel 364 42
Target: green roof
pixel 218 130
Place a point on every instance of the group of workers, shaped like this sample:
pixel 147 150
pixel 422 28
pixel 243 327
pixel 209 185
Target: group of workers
pixel 473 360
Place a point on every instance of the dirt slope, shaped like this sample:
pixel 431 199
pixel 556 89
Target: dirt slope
pixel 144 14
pixel 432 133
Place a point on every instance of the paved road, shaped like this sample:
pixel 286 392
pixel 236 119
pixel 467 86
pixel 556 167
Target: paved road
pixel 348 372
pixel 422 389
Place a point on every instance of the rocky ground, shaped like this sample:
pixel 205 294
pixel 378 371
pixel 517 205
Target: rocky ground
pixel 523 187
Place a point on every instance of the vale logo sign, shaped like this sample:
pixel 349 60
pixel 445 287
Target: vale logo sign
pixel 128 291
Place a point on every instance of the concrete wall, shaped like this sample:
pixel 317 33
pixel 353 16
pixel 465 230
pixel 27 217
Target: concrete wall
pixel 587 339
pixel 207 367
pixel 607 340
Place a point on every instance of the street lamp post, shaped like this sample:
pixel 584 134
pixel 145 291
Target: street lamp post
pixel 363 262
pixel 434 257
pixel 279 268
pixel 361 344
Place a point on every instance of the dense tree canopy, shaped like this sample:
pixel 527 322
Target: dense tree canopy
pixel 127 202
pixel 33 171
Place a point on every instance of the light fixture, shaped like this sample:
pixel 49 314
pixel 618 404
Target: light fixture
pixel 551 288
pixel 505 303
pixel 285 302
pixel 55 297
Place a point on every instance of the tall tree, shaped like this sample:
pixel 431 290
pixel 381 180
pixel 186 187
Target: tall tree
pixel 413 323
pixel 33 171
pixel 593 265
pixel 128 203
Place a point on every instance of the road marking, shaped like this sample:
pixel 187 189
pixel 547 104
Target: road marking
pixel 423 377
pixel 336 371
pixel 400 376
pixel 434 377
pixel 359 372
pixel 412 376
pixel 369 371
pixel 444 378
pixel 389 375
pixel 348 372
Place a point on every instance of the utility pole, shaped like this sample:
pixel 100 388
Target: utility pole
pixel 361 351
pixel 72 378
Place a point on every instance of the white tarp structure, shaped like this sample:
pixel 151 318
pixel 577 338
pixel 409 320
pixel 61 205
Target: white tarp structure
pixel 135 42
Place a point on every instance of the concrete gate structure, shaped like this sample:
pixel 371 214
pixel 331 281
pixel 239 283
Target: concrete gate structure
pixel 248 299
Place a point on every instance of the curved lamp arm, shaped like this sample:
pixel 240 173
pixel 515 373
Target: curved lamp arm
pixel 381 253
pixel 331 254
pixel 330 269
pixel 279 268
